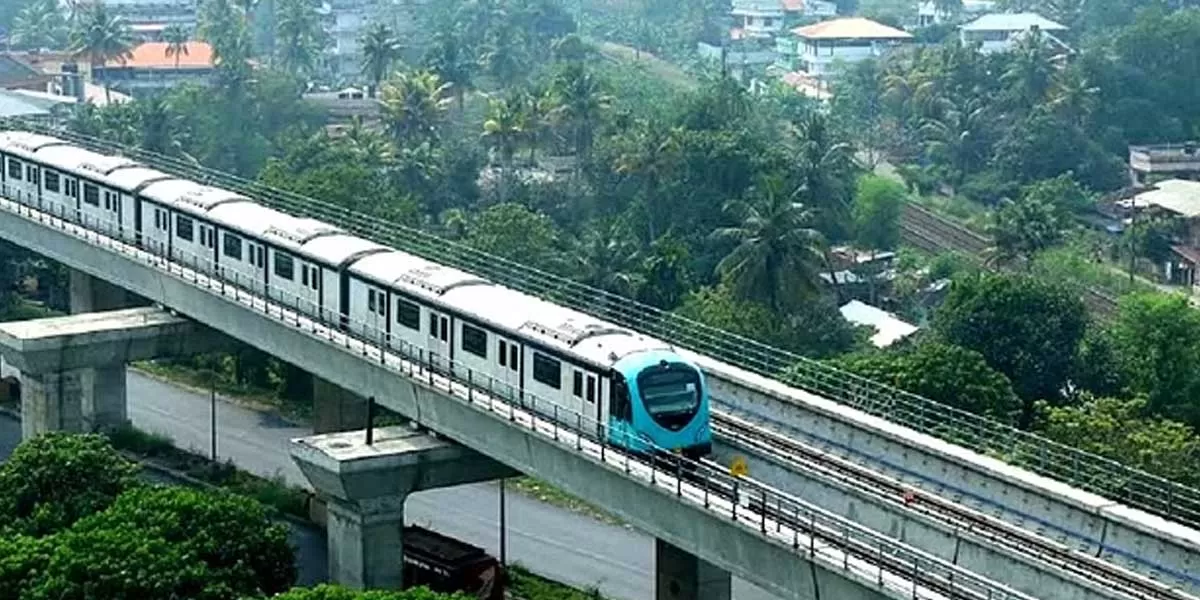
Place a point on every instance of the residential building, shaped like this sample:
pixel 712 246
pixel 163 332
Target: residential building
pixel 347 20
pixel 997 32
pixel 155 12
pixel 768 18
pixel 18 72
pixel 1179 201
pixel 815 49
pixel 1174 160
pixel 149 69
pixel 928 13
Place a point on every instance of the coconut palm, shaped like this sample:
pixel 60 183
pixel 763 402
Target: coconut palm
pixel 582 103
pixel 38 25
pixel 176 38
pixel 503 127
pixel 959 136
pixel 380 48
pixel 101 37
pixel 414 104
pixel 300 36
pixel 450 59
pixel 778 255
pixel 652 155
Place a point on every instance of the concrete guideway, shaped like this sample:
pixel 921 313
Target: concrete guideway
pixel 980 543
pixel 1141 542
pixel 73 368
pixel 732 537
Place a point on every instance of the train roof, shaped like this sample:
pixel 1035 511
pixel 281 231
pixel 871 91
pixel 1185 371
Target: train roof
pixel 338 248
pixel 269 224
pixel 413 274
pixel 189 196
pixel 132 178
pixel 83 162
pixel 24 143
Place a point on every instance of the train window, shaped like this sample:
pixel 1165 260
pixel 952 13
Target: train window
pixel 313 281
pixel 577 388
pixel 445 332
pixel 474 340
pixel 31 173
pixel 432 324
pixel 285 268
pixel 514 357
pixel 591 388
pixel 91 194
pixel 233 246
pixel 73 188
pixel 621 407
pixel 14 169
pixel 371 300
pixel 304 274
pixel 183 228
pixel 502 352
pixel 212 237
pixel 52 182
pixel 108 203
pixel 547 370
pixel 262 257
pixel 408 314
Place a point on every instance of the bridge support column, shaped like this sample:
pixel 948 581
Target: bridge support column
pixel 365 486
pixel 103 397
pixel 336 409
pixel 681 575
pixel 51 402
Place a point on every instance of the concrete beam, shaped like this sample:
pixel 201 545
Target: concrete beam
pixel 366 486
pixel 335 408
pixel 105 339
pixel 91 294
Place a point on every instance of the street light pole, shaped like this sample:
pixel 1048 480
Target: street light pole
pixel 212 425
pixel 503 526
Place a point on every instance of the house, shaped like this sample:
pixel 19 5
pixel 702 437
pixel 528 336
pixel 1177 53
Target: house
pixel 149 69
pixel 155 12
pixel 18 73
pixel 889 328
pixel 928 13
pixel 769 18
pixel 997 32
pixel 814 49
pixel 1178 200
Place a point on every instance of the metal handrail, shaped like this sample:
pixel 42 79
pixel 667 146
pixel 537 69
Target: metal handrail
pixel 810 532
pixel 1087 471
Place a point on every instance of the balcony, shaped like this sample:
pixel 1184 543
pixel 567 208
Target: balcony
pixel 1165 158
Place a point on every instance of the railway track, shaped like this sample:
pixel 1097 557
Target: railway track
pixel 801 457
pixel 932 232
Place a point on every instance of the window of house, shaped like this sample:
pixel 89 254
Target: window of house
pixel 547 370
pixel 183 228
pixel 285 267
pixel 474 340
pixel 233 246
pixel 408 314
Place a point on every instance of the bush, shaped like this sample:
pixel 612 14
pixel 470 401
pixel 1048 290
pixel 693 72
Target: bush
pixel 52 481
pixel 334 592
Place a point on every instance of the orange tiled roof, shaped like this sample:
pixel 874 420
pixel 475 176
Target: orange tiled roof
pixel 153 55
pixel 793 5
pixel 850 28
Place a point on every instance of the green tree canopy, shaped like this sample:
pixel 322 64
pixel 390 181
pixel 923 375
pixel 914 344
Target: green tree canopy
pixel 942 372
pixel 878 203
pixel 334 592
pixel 1026 328
pixel 1157 337
pixel 55 479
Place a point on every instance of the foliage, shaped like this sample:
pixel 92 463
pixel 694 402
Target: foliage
pixel 1157 337
pixel 1119 429
pixel 1025 328
pixel 514 232
pixel 1025 227
pixel 334 592
pixel 525 585
pixel 878 202
pixel 55 479
pixel 38 25
pixel 944 373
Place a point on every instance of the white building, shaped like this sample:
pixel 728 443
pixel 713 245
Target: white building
pixel 347 20
pixel 767 18
pixel 814 49
pixel 155 12
pixel 928 13
pixel 997 32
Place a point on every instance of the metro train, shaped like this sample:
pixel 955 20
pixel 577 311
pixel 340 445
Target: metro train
pixel 651 397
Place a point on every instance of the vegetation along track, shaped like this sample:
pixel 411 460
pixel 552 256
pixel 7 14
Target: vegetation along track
pixel 932 232
pixel 800 457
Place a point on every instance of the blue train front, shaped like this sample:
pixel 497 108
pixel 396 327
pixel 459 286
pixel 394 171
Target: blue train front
pixel 660 402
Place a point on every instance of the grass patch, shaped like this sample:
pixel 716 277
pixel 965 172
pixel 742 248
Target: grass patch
pixel 160 450
pixel 201 381
pixel 1072 263
pixel 524 585
pixel 544 492
pixel 970 214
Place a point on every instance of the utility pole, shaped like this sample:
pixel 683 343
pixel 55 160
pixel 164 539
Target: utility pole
pixel 503 526
pixel 212 412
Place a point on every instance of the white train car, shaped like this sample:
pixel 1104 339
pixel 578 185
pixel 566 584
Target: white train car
pixel 82 177
pixel 21 178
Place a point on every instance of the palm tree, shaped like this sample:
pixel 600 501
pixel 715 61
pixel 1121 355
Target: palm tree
pixel 379 47
pixel 300 36
pixel 582 103
pixel 959 136
pixel 38 25
pixel 504 57
pixel 778 255
pixel 176 38
pixel 1072 96
pixel 101 37
pixel 540 105
pixel 503 126
pixel 450 60
pixel 1030 71
pixel 413 105
pixel 825 169
pixel 652 154
pixel 606 258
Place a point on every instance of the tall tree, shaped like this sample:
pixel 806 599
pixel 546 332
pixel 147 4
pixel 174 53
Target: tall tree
pixel 380 49
pixel 176 38
pixel 414 103
pixel 583 102
pixel 503 127
pixel 101 37
pixel 300 37
pixel 1025 227
pixel 39 25
pixel 778 255
pixel 449 57
pixel 1157 336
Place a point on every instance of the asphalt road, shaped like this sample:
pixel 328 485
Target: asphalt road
pixel 554 542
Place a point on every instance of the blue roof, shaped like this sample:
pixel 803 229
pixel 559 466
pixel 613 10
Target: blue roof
pixel 14 105
pixel 1013 22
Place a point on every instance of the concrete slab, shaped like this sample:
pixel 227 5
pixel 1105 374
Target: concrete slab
pixel 104 339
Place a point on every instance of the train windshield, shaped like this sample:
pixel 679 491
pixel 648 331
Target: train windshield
pixel 670 390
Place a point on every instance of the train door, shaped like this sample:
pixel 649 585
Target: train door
pixel 508 357
pixel 256 261
pixel 206 256
pixel 439 342
pixel 158 238
pixel 585 391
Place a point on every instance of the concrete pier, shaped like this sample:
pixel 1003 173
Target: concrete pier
pixel 102 387
pixel 73 368
pixel 681 575
pixel 365 487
